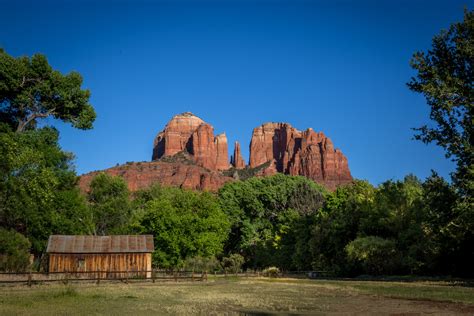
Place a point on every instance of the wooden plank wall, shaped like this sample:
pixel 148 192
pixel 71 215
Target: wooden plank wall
pixel 102 262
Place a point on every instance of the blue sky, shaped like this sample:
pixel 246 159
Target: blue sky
pixel 339 67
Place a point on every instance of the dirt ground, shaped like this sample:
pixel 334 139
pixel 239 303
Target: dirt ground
pixel 227 297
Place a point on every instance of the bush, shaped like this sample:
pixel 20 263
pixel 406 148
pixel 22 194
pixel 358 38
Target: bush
pixel 201 264
pixel 376 255
pixel 271 272
pixel 233 263
pixel 14 251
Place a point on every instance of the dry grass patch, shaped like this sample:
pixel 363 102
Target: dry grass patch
pixel 220 296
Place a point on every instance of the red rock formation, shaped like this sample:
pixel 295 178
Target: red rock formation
pixel 175 137
pixel 187 154
pixel 307 153
pixel 236 160
pixel 187 132
pixel 142 175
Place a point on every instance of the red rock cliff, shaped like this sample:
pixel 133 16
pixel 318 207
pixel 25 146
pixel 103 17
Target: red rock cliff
pixel 293 152
pixel 141 175
pixel 187 132
pixel 187 154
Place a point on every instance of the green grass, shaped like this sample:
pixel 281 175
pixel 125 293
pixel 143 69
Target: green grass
pixel 237 296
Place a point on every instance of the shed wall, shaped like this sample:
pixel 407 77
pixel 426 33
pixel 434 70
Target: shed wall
pixel 109 263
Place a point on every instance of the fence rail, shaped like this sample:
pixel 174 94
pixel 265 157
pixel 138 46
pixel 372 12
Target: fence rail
pixel 30 278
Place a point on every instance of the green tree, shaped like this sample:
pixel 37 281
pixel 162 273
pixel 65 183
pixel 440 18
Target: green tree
pixel 337 224
pixel 110 204
pixel 14 251
pixel 264 213
pixel 445 77
pixel 185 224
pixel 38 193
pixel 445 241
pixel 30 90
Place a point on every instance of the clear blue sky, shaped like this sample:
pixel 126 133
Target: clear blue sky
pixel 340 67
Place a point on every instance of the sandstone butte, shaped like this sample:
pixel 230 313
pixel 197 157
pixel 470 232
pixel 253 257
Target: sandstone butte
pixel 187 154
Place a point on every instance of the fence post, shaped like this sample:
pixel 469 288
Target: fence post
pixel 153 275
pixel 98 276
pixel 126 275
pixel 176 276
pixel 29 279
pixel 192 276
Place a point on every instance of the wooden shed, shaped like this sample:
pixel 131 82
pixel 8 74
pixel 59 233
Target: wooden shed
pixel 113 256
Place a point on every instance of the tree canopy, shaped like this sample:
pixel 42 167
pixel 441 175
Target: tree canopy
pixel 445 76
pixel 184 223
pixel 30 90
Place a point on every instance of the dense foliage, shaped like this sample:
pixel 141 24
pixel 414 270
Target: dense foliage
pixel 109 205
pixel 184 223
pixel 267 216
pixel 30 90
pixel 38 193
pixel 445 76
pixel 14 251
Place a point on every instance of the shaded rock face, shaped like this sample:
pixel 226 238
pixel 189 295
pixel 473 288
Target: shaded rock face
pixel 236 160
pixel 293 152
pixel 188 133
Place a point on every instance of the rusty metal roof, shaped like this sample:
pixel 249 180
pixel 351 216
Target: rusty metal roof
pixel 100 244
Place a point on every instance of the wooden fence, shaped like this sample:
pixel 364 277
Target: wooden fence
pixel 154 275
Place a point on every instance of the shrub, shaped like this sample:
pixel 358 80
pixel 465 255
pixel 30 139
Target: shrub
pixel 233 263
pixel 376 255
pixel 14 251
pixel 271 272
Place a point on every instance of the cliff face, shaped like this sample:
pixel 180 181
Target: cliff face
pixel 188 155
pixel 307 153
pixel 187 132
pixel 181 173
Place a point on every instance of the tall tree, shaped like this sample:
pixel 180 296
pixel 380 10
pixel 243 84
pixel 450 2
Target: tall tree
pixel 30 90
pixel 445 76
pixel 110 204
pixel 38 193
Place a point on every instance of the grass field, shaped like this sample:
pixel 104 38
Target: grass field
pixel 239 296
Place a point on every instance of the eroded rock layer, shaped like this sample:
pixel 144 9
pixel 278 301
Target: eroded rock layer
pixel 142 175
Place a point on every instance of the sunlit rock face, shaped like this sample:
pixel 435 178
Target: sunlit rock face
pixel 187 132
